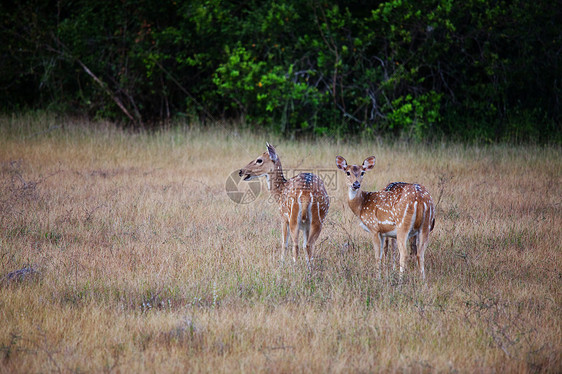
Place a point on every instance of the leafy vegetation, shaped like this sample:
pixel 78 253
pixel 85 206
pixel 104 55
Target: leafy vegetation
pixel 472 70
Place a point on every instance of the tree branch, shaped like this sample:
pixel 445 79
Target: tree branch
pixel 116 99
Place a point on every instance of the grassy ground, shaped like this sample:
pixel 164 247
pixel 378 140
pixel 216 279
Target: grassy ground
pixel 140 261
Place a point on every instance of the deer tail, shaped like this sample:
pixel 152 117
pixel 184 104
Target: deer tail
pixel 305 207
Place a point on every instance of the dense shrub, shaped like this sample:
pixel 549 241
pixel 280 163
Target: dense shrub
pixel 469 70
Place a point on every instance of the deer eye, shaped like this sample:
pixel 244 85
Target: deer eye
pixel 362 173
pixel 348 173
pixel 259 161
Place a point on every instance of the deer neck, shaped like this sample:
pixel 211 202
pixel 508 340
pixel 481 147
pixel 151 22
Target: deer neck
pixel 356 199
pixel 276 181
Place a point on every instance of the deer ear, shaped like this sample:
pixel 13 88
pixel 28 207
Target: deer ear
pixel 341 163
pixel 272 152
pixel 369 163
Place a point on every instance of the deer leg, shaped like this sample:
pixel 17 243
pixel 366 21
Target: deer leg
pixel 294 227
pixel 423 241
pixel 285 240
pixel 378 245
pixel 295 233
pixel 390 245
pixel 305 242
pixel 386 246
pixel 413 245
pixel 402 241
pixel 421 265
pixel 315 228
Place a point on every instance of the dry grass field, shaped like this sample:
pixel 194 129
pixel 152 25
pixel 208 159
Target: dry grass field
pixel 133 258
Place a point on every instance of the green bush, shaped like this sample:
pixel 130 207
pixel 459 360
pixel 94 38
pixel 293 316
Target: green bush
pixel 473 70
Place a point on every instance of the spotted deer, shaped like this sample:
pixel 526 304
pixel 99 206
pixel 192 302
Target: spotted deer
pixel 400 211
pixel 303 201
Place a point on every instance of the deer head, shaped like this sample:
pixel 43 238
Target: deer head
pixel 264 165
pixel 354 173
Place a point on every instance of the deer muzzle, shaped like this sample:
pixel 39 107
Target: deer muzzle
pixel 245 174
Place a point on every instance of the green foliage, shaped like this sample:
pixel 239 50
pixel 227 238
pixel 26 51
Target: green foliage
pixel 415 115
pixel 470 70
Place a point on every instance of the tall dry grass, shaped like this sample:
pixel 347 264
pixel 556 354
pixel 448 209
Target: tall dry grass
pixel 141 262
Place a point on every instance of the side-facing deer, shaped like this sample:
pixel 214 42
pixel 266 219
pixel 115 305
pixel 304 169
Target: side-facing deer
pixel 401 211
pixel 303 201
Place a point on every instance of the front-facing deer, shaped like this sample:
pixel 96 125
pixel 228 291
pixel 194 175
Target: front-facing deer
pixel 303 200
pixel 401 211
